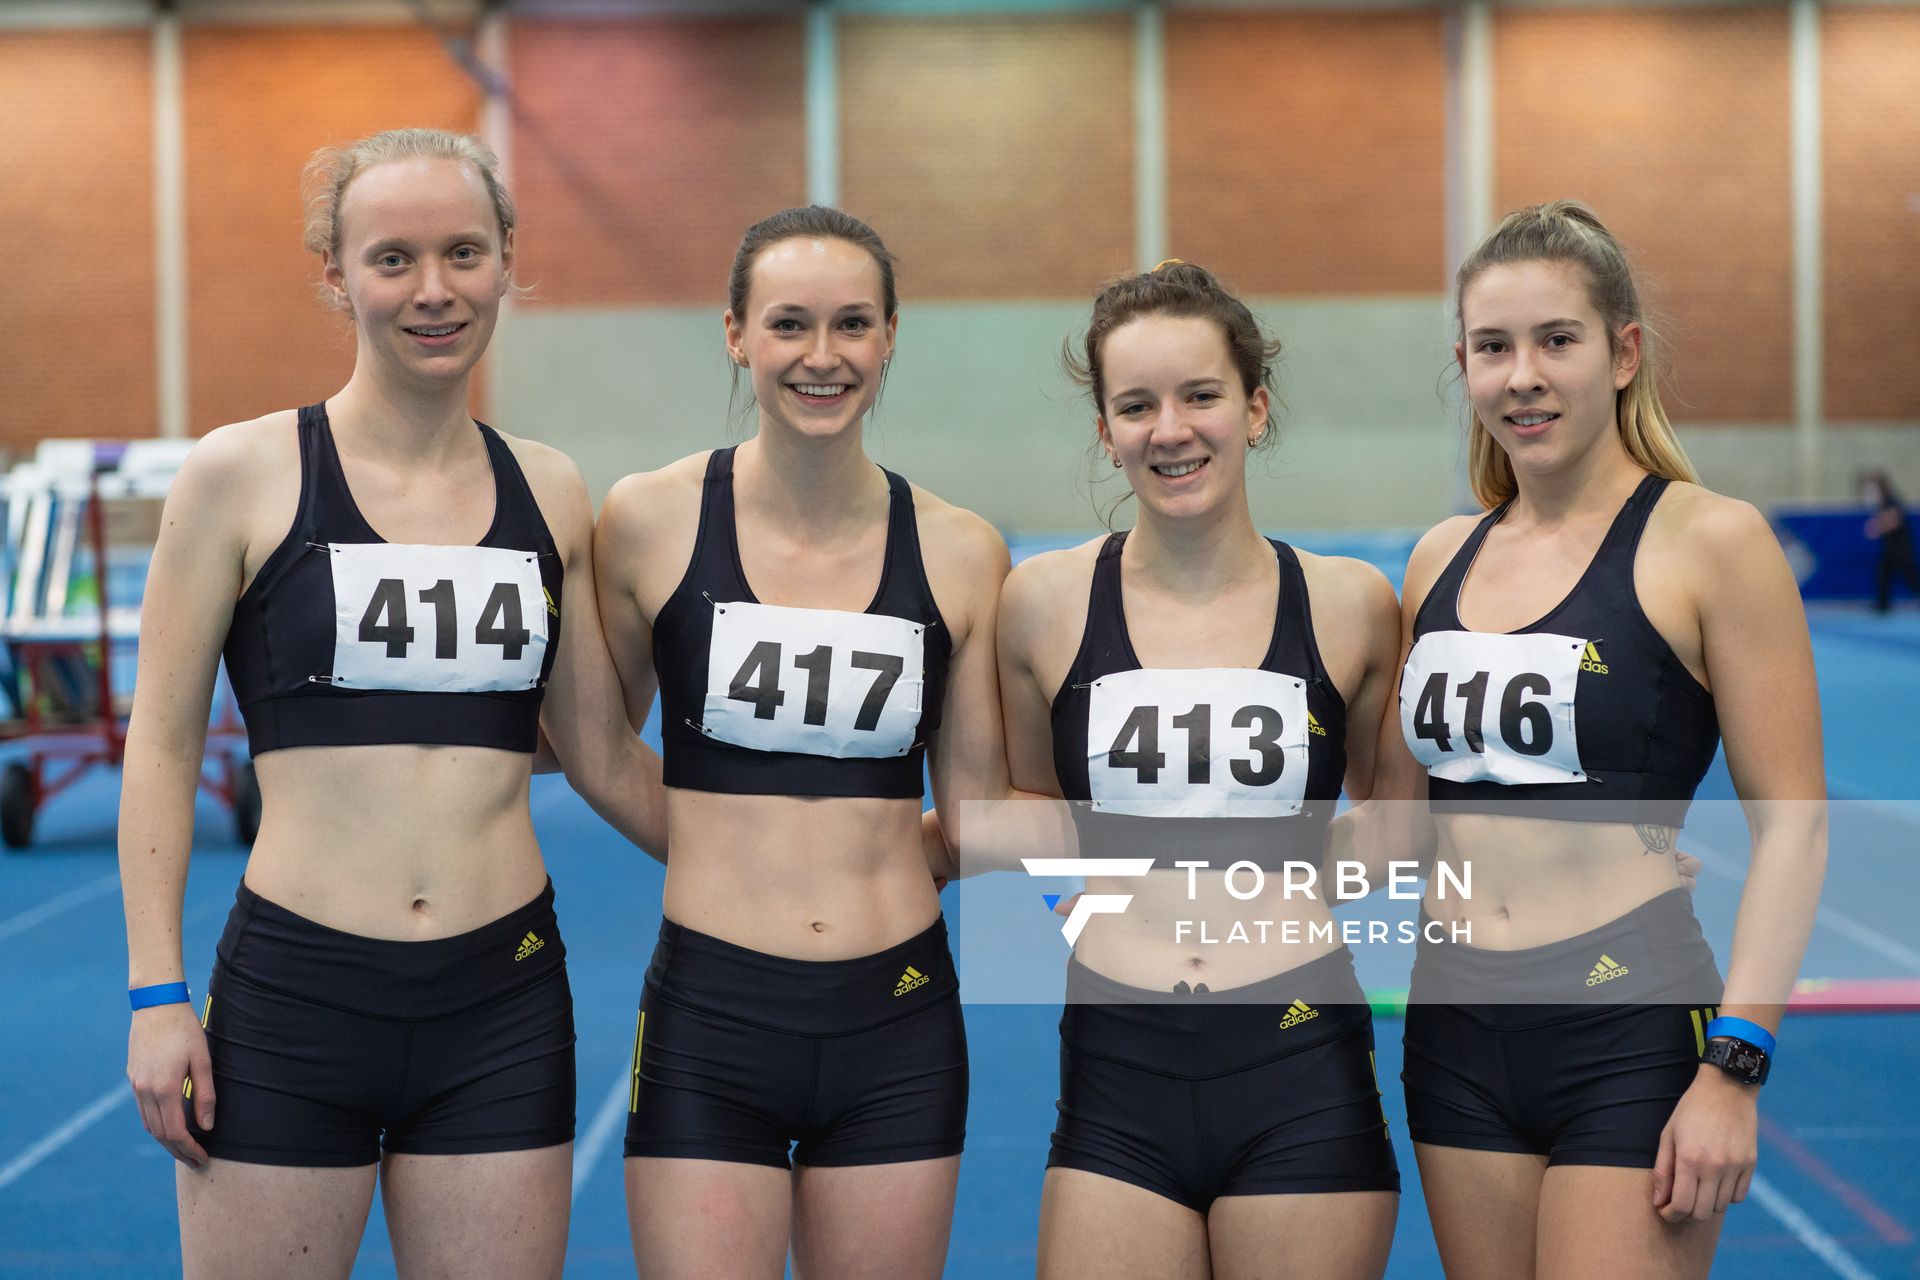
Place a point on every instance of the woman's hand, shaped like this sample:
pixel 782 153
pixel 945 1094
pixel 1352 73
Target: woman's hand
pixel 1708 1149
pixel 165 1048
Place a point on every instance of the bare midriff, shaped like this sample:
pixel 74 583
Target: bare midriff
pixel 1166 937
pixel 809 878
pixel 1534 881
pixel 396 841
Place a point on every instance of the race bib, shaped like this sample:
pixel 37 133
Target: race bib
pixel 437 619
pixel 1209 743
pixel 1481 707
pixel 817 681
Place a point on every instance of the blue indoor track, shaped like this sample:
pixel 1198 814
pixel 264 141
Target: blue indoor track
pixel 85 1194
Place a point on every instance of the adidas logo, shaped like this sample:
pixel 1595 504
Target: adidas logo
pixel 1313 726
pixel 1590 660
pixel 1298 1012
pixel 911 980
pixel 528 945
pixel 1606 971
pixel 552 609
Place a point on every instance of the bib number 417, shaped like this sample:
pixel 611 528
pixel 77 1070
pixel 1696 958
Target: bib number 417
pixel 817 681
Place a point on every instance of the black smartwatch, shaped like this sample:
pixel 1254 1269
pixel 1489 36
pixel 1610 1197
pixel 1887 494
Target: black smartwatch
pixel 1747 1063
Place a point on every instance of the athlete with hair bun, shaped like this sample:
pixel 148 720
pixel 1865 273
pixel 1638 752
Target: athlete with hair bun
pixel 404 599
pixel 1581 1096
pixel 816 626
pixel 1198 692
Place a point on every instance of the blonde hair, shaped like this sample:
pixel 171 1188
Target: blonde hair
pixel 326 176
pixel 1568 231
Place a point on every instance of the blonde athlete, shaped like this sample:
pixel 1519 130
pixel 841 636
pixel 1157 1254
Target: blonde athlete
pixel 404 597
pixel 814 624
pixel 1565 1121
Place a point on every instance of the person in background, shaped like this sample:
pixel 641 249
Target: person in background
pixel 1889 526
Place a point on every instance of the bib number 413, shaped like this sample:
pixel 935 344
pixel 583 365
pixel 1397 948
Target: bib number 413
pixel 1212 742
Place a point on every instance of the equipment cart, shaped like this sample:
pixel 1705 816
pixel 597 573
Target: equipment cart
pixel 80 520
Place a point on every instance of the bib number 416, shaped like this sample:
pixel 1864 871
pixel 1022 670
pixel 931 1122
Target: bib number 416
pixel 1485 707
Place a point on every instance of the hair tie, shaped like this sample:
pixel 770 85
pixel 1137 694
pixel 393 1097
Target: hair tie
pixel 1167 262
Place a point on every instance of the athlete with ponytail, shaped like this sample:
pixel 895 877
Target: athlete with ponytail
pixel 1581 1095
pixel 816 627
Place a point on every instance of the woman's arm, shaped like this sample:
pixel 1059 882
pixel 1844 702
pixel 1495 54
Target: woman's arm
pixel 192 583
pixel 1759 663
pixel 583 718
pixel 1389 821
pixel 1020 814
pixel 966 763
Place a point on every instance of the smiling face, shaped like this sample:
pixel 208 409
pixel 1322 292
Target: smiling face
pixel 422 266
pixel 813 334
pixel 1542 369
pixel 1177 415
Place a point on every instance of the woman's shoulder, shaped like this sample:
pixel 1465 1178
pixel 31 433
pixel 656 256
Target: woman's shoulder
pixel 954 533
pixel 655 501
pixel 1044 582
pixel 257 442
pixel 241 460
pixel 1708 531
pixel 1347 585
pixel 1433 552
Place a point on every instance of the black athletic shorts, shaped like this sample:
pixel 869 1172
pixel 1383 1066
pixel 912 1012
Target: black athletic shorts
pixel 1261 1090
pixel 328 1047
pixel 1588 1069
pixel 740 1056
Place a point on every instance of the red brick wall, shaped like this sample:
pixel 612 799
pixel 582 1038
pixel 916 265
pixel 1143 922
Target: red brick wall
pixel 994 154
pixel 1870 146
pixel 1674 125
pixel 257 103
pixel 1306 156
pixel 642 149
pixel 76 217
pixel 1306 153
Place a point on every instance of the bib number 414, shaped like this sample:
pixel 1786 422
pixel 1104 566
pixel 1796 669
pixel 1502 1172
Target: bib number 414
pixel 437 619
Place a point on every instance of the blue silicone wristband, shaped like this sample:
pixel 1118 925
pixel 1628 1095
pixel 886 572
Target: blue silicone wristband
pixel 159 993
pixel 1740 1029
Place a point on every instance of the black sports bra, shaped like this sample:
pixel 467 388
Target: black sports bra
pixel 767 700
pixel 1230 750
pixel 345 639
pixel 1493 715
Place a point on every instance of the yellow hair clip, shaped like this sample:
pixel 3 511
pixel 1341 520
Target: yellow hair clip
pixel 1168 262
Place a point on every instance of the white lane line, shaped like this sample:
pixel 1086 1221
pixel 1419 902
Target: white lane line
pixel 1840 922
pixel 1818 1242
pixel 610 1116
pixel 81 1121
pixel 48 910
